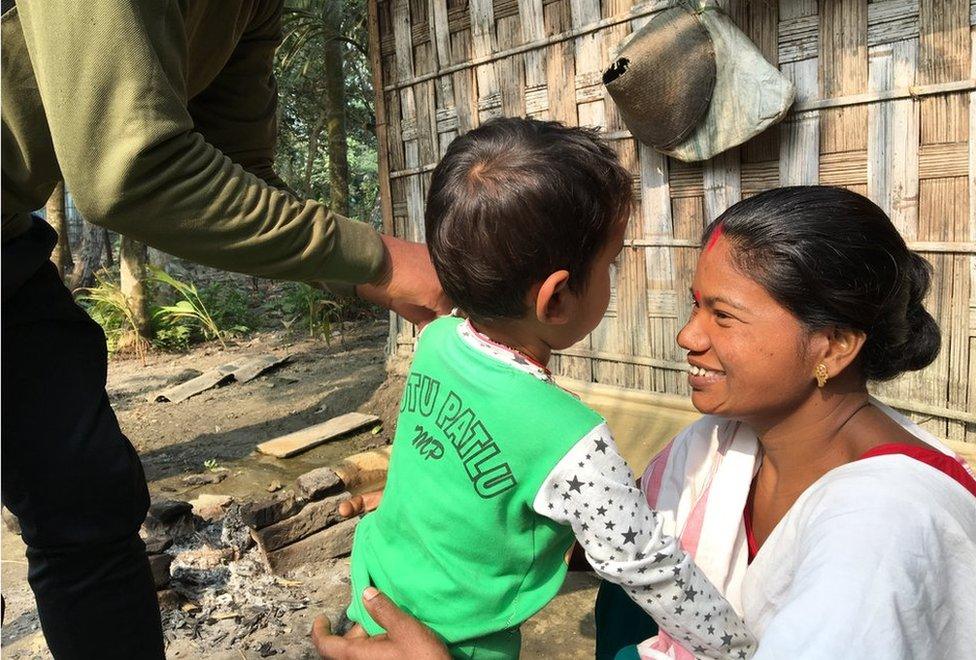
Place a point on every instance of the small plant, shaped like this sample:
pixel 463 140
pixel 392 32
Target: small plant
pixel 190 309
pixel 111 309
pixel 230 307
pixel 211 464
pixel 302 302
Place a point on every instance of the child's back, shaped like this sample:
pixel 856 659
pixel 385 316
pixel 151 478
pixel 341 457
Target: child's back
pixel 456 541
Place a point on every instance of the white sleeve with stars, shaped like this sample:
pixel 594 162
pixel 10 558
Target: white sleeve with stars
pixel 593 490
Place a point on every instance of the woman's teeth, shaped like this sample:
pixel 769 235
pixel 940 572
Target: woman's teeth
pixel 698 371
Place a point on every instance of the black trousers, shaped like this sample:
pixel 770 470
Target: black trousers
pixel 68 472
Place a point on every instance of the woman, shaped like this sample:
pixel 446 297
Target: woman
pixel 836 526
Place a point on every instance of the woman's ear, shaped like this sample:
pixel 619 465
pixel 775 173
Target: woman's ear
pixel 553 301
pixel 843 347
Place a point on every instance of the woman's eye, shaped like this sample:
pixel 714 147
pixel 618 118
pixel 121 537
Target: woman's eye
pixel 722 316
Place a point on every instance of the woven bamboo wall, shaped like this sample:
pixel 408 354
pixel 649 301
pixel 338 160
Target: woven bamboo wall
pixel 885 106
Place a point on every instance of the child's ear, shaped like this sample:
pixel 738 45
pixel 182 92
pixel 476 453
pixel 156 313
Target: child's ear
pixel 553 302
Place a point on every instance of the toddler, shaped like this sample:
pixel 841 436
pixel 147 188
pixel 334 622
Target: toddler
pixel 495 468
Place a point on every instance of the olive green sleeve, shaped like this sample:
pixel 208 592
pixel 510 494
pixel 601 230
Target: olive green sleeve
pixel 111 74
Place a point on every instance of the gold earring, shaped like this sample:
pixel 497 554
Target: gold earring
pixel 821 374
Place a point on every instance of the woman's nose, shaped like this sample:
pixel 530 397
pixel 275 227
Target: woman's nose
pixel 691 337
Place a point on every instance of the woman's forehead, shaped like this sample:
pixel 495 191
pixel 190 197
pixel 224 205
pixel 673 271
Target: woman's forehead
pixel 718 277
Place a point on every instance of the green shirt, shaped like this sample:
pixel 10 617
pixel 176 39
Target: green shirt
pixel 160 116
pixel 455 541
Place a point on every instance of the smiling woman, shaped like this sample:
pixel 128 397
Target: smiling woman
pixel 823 277
pixel 835 525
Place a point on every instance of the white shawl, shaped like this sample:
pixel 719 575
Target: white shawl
pixel 877 559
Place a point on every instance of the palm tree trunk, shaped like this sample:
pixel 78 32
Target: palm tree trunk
pixel 109 261
pixel 132 267
pixel 89 256
pixel 313 149
pixel 335 107
pixel 54 212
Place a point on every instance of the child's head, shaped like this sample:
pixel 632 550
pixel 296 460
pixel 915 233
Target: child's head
pixel 524 219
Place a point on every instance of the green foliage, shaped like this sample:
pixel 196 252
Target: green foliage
pixel 111 309
pixel 311 308
pixel 230 307
pixel 170 335
pixel 301 88
pixel 189 310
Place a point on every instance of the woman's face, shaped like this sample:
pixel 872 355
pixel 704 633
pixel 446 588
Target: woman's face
pixel 751 359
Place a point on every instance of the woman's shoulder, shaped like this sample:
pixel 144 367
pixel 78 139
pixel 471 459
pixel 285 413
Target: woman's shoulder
pixel 896 488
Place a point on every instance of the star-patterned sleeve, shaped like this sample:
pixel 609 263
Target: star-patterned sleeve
pixel 593 490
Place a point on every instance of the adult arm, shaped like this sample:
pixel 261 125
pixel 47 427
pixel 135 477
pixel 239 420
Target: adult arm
pixel 111 74
pixel 593 490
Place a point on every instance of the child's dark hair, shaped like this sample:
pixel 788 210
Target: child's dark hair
pixel 833 258
pixel 515 200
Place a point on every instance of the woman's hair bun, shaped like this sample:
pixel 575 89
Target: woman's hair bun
pixel 913 338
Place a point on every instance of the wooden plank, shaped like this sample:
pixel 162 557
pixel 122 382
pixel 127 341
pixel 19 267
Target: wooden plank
pixel 510 69
pixel 408 118
pixel 624 358
pixel 799 38
pixel 939 161
pixel 844 168
pixel 243 370
pixel 799 148
pixel 970 435
pixel 590 60
pixel 313 517
pixel 560 69
pixel 957 332
pixel 424 59
pixel 313 436
pixel 761 23
pixel 560 66
pixel 365 469
pixel 505 8
pixel 382 139
pixel 759 176
pixel 482 45
pixel 642 10
pixel 534 64
pixel 686 179
pixel 331 542
pixel 893 160
pixel 447 118
pixel 657 222
pixel 465 87
pixel 250 368
pixel 843 70
pixel 935 247
pixel 943 56
pixel 890 21
pixel 721 183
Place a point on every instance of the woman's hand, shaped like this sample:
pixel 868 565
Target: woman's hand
pixel 360 504
pixel 405 638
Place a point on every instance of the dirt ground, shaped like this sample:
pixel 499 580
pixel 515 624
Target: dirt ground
pixel 221 428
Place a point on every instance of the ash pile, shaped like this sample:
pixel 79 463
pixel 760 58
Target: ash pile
pixel 219 563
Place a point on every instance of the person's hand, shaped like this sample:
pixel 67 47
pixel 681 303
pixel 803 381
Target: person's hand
pixel 409 285
pixel 360 504
pixel 405 638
